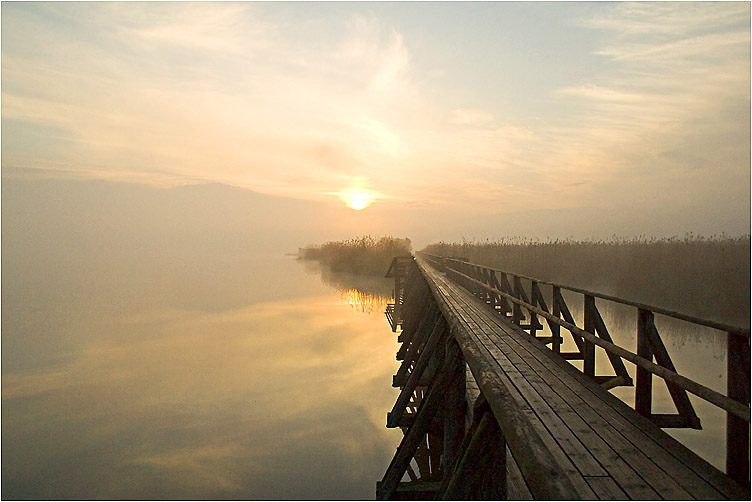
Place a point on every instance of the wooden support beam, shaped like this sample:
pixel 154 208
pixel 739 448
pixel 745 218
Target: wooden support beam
pixel 650 345
pixel 412 381
pixel 482 451
pixel 410 442
pixel 413 351
pixel 414 313
pixel 455 405
pixel 616 362
pixel 686 414
pixel 563 311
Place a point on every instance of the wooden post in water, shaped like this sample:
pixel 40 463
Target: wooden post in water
pixel 588 364
pixel 737 430
pixel 556 328
pixel 643 378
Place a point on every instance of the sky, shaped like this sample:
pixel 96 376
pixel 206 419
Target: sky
pixel 448 119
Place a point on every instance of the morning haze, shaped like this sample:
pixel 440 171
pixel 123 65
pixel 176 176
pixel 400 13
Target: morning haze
pixel 159 159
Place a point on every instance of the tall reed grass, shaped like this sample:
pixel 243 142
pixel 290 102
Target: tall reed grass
pixel 364 255
pixel 705 277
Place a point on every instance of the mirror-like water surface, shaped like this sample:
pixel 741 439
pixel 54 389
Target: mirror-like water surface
pixel 281 395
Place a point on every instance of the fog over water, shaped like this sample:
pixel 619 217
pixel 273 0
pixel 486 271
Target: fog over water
pixel 143 359
pixel 159 159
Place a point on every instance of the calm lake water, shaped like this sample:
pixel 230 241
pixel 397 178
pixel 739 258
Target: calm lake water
pixel 235 377
pixel 271 381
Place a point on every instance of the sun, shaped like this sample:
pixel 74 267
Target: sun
pixel 358 199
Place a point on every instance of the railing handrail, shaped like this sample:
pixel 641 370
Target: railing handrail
pixel 706 393
pixel 729 328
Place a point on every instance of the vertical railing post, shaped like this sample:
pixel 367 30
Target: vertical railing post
pixel 643 378
pixel 588 363
pixel 494 283
pixel 737 430
pixel 533 301
pixel 556 328
pixel 517 315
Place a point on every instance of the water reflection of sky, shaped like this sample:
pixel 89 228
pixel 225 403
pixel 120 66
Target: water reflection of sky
pixel 281 399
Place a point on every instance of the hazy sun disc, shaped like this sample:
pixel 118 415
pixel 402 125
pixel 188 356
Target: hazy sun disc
pixel 358 199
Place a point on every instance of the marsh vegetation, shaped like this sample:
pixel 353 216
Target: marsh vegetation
pixel 364 255
pixel 706 277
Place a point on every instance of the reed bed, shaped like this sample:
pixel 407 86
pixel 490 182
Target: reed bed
pixel 703 276
pixel 364 255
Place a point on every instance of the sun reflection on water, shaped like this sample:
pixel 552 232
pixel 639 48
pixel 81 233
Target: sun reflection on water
pixel 366 303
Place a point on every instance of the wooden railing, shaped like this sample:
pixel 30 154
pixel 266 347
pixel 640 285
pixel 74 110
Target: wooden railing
pixel 521 300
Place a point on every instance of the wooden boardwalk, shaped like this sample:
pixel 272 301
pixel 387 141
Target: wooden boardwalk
pixel 490 412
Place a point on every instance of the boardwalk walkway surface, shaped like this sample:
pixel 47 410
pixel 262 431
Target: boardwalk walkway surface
pixel 540 429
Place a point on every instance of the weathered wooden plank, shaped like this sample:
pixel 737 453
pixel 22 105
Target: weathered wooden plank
pixel 706 393
pixel 661 482
pixel 550 473
pixel 692 461
pixel 519 373
pixel 517 488
pixel 613 427
pixel 610 459
pixel 605 488
pixel 603 452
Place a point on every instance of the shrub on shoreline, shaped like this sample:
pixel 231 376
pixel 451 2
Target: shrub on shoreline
pixel 360 255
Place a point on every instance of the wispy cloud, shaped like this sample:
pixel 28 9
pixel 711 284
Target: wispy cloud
pixel 308 105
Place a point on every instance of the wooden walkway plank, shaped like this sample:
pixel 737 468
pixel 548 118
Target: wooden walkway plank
pixel 517 488
pixel 548 470
pixel 592 443
pixel 695 473
pixel 511 347
pixel 590 435
pixel 606 488
pixel 582 458
pixel 682 476
pixel 519 374
pixel 544 382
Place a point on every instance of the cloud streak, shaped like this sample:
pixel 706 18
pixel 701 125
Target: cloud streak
pixel 306 104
